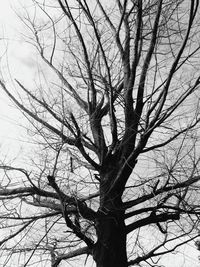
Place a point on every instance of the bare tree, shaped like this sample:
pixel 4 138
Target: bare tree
pixel 116 173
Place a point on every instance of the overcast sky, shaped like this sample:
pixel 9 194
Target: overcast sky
pixel 20 61
pixel 17 56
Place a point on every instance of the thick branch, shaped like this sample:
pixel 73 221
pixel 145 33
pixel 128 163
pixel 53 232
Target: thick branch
pixel 161 190
pixel 163 217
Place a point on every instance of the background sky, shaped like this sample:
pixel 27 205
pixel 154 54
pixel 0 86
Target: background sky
pixel 15 62
pixel 18 56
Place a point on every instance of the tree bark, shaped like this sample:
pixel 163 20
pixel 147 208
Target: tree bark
pixel 110 249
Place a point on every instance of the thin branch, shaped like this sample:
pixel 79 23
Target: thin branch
pixel 72 254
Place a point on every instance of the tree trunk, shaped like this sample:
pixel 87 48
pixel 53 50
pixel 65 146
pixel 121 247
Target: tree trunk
pixel 110 249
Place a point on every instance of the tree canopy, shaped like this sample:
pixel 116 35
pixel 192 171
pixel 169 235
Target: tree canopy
pixel 114 117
